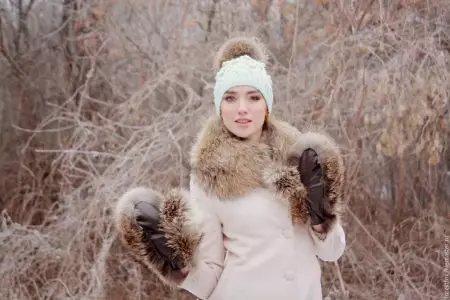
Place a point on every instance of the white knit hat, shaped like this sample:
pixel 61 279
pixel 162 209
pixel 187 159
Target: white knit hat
pixel 239 71
pixel 242 61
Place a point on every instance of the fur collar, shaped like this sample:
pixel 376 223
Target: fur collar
pixel 230 166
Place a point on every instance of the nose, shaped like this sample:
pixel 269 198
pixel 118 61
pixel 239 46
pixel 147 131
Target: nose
pixel 242 108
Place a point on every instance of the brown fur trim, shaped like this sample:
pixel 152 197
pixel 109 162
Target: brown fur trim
pixel 285 181
pixel 334 169
pixel 231 167
pixel 225 164
pixel 177 222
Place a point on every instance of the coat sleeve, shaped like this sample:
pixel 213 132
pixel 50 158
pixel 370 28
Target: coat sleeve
pixel 331 245
pixel 210 254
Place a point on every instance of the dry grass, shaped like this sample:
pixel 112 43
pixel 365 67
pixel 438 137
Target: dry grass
pixel 93 105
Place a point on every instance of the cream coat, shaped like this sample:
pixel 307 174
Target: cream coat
pixel 243 229
pixel 251 250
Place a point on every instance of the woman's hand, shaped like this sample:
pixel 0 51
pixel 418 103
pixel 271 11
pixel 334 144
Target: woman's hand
pixel 322 173
pixel 312 176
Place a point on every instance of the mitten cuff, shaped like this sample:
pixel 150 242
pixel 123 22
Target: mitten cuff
pixel 177 224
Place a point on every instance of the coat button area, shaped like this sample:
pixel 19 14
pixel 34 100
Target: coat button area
pixel 287 233
pixel 289 275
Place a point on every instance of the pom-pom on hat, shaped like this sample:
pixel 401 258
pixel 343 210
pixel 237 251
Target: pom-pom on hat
pixel 242 61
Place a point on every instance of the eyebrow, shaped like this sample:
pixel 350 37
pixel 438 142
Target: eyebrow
pixel 252 92
pixel 248 93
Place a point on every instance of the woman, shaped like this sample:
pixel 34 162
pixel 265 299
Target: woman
pixel 264 201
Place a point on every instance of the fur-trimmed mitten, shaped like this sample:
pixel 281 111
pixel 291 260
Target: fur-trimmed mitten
pixel 158 231
pixel 312 177
pixel 321 169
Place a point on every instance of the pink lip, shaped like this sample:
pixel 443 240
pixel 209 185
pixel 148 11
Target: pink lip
pixel 243 121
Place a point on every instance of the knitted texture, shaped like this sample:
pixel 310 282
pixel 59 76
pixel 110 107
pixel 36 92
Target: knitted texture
pixel 240 71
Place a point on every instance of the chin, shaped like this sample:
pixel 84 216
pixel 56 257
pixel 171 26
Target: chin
pixel 243 134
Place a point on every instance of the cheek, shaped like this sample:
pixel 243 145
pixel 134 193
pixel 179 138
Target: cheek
pixel 228 112
pixel 260 111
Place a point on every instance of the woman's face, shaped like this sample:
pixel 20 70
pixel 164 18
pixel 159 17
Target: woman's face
pixel 243 111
